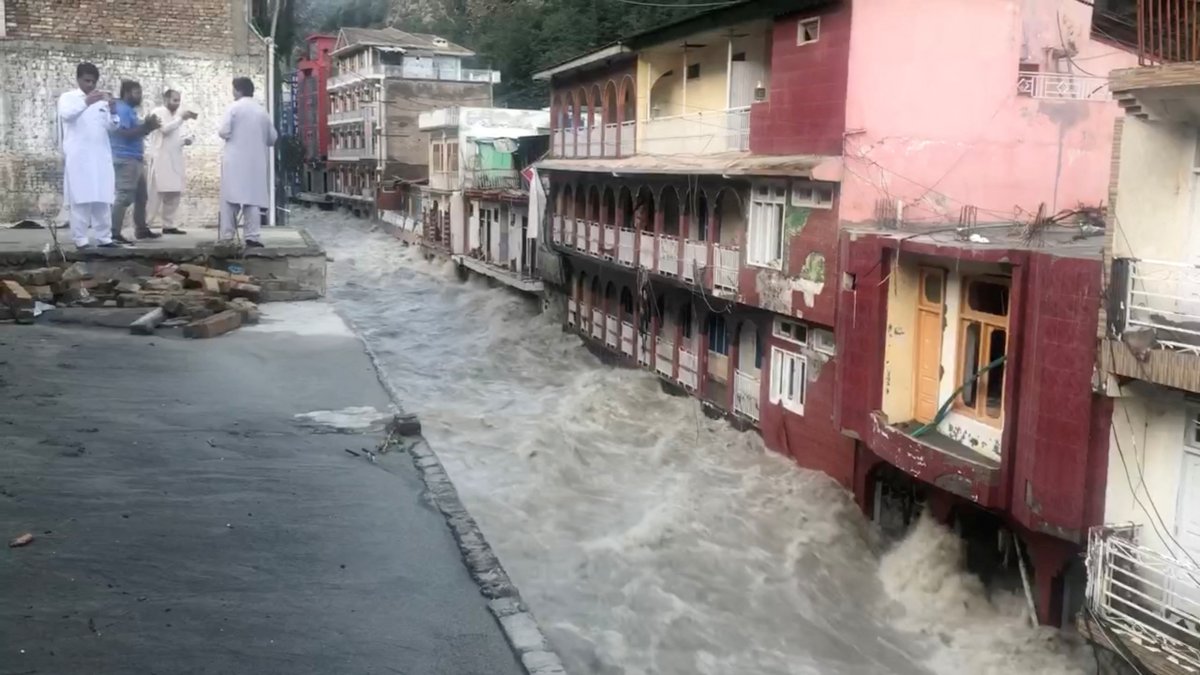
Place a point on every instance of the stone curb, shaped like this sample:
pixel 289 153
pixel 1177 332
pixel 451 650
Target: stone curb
pixel 520 627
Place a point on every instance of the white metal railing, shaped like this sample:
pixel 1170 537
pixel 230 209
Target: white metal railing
pixel 1164 297
pixel 343 116
pixel 608 246
pixel 569 142
pixel 597 324
pixel 725 272
pixel 698 133
pixel 718 366
pixel 746 393
pixel 664 351
pixel 643 347
pixel 594 146
pixel 1152 598
pixel 627 337
pixel 628 137
pixel 695 258
pixel 646 254
pixel 612 336
pixel 687 368
pixel 410 73
pixel 594 238
pixel 668 255
pixel 581 234
pixel 557 148
pixel 572 307
pixel 625 242
pixel 610 139
pixel 1061 86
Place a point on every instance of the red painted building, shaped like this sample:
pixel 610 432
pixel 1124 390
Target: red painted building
pixel 312 109
pixel 788 211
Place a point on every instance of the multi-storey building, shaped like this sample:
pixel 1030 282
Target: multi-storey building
pixel 383 79
pixel 195 47
pixel 1144 564
pixel 312 110
pixel 478 194
pixel 866 234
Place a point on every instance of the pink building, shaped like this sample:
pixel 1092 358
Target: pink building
pixel 886 206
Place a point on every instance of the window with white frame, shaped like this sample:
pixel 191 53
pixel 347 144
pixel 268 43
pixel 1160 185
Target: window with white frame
pixel 792 331
pixel 788 379
pixel 767 203
pixel 822 341
pixel 809 31
pixel 812 195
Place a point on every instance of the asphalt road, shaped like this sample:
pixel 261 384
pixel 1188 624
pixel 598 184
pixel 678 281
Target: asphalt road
pixel 186 523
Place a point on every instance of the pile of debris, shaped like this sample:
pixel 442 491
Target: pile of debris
pixel 206 301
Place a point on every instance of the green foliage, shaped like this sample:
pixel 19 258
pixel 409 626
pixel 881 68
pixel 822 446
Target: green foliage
pixel 516 37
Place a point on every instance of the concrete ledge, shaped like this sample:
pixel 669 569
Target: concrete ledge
pixel 516 620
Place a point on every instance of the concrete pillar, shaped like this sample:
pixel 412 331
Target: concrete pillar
pixel 1050 557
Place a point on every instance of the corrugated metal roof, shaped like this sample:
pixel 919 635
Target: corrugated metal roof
pixel 394 37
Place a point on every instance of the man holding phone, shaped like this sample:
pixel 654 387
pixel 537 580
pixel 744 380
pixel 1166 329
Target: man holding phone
pixel 87 117
pixel 166 161
pixel 128 152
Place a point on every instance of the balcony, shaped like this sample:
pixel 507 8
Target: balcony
pixel 358 115
pixel 598 141
pixel 1063 87
pixel 493 179
pixel 382 71
pixel 700 133
pixel 444 180
pixel 746 393
pixel 710 265
pixel 1149 601
pixel 351 154
pixel 1154 323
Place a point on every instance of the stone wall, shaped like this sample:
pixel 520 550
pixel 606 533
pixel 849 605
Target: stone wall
pixel 32 76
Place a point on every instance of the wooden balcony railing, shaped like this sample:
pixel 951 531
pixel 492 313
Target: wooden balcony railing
pixel 1168 31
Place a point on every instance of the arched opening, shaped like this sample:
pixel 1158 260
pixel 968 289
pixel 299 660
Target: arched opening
pixel 700 216
pixel 608 212
pixel 559 118
pixel 610 298
pixel 580 287
pixel 670 208
pixel 750 349
pixel 597 102
pixel 625 199
pixel 661 94
pixel 686 319
pixel 628 106
pixel 731 218
pixel 573 124
pixel 596 298
pixel 565 196
pixel 718 333
pixel 585 113
pixel 610 103
pixel 580 210
pixel 594 204
pixel 626 304
pixel 643 210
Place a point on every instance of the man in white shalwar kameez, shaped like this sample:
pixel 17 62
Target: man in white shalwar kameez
pixel 166 163
pixel 89 183
pixel 249 135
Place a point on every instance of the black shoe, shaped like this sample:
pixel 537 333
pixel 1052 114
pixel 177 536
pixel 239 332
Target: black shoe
pixel 120 239
pixel 148 234
pixel 252 243
pixel 112 244
pixel 173 230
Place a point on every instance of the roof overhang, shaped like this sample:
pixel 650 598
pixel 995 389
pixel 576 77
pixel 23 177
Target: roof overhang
pixel 588 59
pixel 816 167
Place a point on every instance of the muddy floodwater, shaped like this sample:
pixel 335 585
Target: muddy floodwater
pixel 647 538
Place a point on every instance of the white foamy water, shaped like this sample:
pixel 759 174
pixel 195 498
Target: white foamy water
pixel 647 538
pixel 352 419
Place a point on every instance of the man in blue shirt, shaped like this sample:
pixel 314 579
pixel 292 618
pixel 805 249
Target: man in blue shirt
pixel 128 149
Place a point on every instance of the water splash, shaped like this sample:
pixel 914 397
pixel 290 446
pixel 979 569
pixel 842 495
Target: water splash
pixel 647 537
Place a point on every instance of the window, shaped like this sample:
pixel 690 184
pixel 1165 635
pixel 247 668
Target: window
pixel 452 156
pixel 812 195
pixel 792 331
pixel 436 156
pixel 809 31
pixel 718 338
pixel 822 341
pixel 984 343
pixel 766 225
pixel 693 71
pixel 788 372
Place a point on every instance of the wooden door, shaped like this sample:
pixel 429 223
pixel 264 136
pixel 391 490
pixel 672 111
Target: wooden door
pixel 928 361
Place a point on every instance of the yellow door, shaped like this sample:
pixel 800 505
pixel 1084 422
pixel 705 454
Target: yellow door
pixel 929 344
